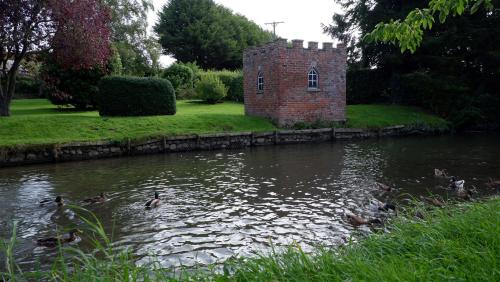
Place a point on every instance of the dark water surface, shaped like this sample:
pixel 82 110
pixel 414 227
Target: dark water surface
pixel 223 203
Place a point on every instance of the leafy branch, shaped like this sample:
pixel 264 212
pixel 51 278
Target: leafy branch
pixel 408 33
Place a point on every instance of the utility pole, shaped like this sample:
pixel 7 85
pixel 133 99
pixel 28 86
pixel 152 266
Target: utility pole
pixel 274 24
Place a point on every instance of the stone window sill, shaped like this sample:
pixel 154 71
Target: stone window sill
pixel 313 90
pixel 260 91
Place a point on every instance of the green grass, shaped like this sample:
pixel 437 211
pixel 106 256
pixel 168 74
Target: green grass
pixel 36 122
pixel 458 243
pixel 377 116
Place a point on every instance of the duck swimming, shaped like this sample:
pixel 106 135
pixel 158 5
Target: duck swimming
pixel 456 184
pixel 384 187
pixel 97 199
pixel 58 201
pixel 153 203
pixel 440 173
pixel 357 220
pixel 434 201
pixel 71 236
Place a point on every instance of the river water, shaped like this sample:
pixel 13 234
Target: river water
pixel 218 204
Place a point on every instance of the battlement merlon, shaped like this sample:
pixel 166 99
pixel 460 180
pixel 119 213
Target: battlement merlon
pixel 295 44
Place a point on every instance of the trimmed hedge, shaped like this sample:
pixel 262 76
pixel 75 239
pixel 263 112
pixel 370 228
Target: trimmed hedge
pixel 136 96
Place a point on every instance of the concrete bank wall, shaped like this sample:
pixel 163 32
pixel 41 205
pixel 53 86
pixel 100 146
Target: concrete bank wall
pixel 106 149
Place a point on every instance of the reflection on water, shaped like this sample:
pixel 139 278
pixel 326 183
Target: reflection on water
pixel 224 203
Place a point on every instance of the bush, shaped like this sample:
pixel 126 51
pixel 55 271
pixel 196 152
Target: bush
pixel 136 96
pixel 27 87
pixel 180 76
pixel 211 89
pixel 71 87
pixel 233 80
pixel 366 86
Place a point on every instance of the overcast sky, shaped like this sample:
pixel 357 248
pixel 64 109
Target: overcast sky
pixel 303 18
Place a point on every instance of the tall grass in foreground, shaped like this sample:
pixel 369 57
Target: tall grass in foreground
pixel 458 243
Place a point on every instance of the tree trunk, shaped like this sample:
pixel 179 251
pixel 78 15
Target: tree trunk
pixel 4 107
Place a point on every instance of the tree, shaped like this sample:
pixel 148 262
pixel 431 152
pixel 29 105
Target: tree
pixel 408 33
pixel 454 72
pixel 206 33
pixel 75 31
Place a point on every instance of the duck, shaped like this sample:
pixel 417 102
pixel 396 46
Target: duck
pixel 384 187
pixel 456 184
pixel 153 203
pixel 357 220
pixel 71 236
pixel 493 184
pixel 58 202
pixel 440 173
pixel 434 201
pixel 376 205
pixel 97 199
pixel 464 194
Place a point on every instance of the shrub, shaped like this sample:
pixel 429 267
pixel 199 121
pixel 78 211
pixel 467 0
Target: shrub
pixel 233 80
pixel 71 87
pixel 211 89
pixel 180 76
pixel 136 96
pixel 28 87
pixel 366 86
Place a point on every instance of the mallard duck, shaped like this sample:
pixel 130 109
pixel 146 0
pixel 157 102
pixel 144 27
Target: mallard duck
pixel 357 220
pixel 58 202
pixel 493 184
pixel 464 194
pixel 97 199
pixel 456 184
pixel 153 203
pixel 71 236
pixel 384 187
pixel 440 173
pixel 434 201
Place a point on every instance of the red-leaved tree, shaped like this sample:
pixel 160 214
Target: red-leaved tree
pixel 76 31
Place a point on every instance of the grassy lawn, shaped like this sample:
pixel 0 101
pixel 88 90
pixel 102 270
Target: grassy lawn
pixel 39 122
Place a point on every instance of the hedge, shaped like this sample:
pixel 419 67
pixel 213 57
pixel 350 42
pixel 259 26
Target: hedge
pixel 233 80
pixel 136 96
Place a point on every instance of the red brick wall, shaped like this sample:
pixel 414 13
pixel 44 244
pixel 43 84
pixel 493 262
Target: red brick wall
pixel 286 98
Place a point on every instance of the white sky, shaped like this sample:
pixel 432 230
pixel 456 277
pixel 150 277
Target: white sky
pixel 303 18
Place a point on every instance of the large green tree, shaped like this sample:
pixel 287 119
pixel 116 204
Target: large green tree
pixel 453 73
pixel 138 51
pixel 206 33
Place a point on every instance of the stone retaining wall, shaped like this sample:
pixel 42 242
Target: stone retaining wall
pixel 106 149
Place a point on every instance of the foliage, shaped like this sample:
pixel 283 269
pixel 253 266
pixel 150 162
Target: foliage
pixel 28 87
pixel 135 96
pixel 456 65
pixel 206 33
pixel 364 86
pixel 37 121
pixel 409 32
pixel 76 87
pixel 76 31
pixel 180 76
pixel 115 65
pixel 211 89
pixel 233 80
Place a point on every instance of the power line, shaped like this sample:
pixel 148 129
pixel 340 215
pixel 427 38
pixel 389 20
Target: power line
pixel 274 24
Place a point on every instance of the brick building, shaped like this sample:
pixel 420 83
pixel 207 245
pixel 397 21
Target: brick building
pixel 295 84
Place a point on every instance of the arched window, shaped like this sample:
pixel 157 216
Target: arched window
pixel 312 79
pixel 260 82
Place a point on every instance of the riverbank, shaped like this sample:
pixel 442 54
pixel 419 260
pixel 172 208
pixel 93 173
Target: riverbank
pixel 40 133
pixel 458 242
pixel 37 122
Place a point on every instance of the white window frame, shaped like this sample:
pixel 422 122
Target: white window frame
pixel 260 82
pixel 312 79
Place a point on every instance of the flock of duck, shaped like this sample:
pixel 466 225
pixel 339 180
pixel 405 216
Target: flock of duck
pixel 72 235
pixel 456 185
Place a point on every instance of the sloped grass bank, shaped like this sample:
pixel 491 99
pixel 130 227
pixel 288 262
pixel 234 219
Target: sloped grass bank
pixel 457 243
pixel 37 122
